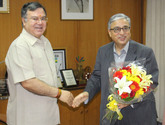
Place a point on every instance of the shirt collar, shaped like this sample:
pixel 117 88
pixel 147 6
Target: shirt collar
pixel 125 49
pixel 32 40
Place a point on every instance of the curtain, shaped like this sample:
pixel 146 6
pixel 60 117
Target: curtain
pixel 155 38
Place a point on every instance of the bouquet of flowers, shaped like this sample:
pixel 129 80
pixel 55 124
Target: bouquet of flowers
pixel 128 84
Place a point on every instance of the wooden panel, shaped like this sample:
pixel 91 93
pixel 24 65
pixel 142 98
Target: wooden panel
pixel 144 4
pixel 80 38
pixel 92 111
pixel 84 115
pixel 3 106
pixel 93 34
pixel 62 34
pixel 70 116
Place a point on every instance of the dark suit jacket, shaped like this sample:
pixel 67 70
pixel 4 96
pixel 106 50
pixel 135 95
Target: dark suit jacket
pixel 144 113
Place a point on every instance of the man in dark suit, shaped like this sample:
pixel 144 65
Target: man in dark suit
pixel 122 49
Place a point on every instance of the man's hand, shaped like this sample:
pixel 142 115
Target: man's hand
pixel 79 99
pixel 120 106
pixel 66 97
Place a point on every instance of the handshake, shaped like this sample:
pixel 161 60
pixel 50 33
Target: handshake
pixel 68 98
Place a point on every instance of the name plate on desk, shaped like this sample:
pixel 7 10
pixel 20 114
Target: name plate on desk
pixel 68 77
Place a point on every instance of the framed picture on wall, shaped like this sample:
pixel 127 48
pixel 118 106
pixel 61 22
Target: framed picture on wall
pixel 77 9
pixel 60 61
pixel 4 6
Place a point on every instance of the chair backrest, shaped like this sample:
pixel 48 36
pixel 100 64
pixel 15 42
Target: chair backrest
pixel 2 122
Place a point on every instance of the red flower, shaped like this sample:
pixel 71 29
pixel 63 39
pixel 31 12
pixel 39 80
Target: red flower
pixel 118 74
pixel 132 94
pixel 124 95
pixel 127 68
pixel 148 87
pixel 134 86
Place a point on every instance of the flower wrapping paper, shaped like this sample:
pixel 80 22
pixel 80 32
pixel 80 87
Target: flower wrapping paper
pixel 129 83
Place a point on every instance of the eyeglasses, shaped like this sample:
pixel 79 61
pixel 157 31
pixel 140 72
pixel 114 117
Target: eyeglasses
pixel 37 19
pixel 118 29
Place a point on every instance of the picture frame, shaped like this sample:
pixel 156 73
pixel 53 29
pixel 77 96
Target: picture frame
pixel 60 61
pixel 77 9
pixel 4 6
pixel 68 76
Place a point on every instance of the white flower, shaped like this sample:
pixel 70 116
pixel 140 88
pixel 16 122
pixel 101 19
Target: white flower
pixel 136 70
pixel 123 85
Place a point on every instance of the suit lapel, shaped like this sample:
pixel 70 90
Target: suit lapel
pixel 131 55
pixel 110 55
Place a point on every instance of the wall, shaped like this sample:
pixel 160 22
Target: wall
pixel 79 38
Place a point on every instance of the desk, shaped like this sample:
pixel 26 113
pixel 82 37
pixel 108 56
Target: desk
pixel 3 107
